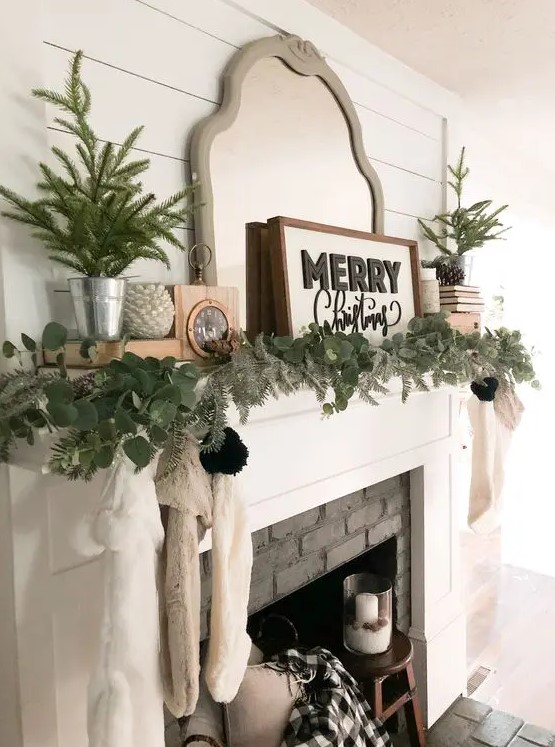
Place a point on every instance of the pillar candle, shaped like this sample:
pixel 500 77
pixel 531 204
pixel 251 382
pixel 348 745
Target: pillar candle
pixel 366 606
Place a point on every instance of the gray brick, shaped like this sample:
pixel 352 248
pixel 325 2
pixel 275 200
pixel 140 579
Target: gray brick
pixel 498 729
pixel 386 528
pixel 278 555
pixel 319 539
pixel 261 593
pixel 403 563
pixel 537 735
pixel 172 735
pixel 403 623
pixel 204 624
pixel 206 563
pixel 169 718
pixel 517 742
pixel 450 731
pixel 403 543
pixel 205 591
pixel 299 574
pixel 403 609
pixel 402 585
pixel 365 516
pixel 260 539
pixel 345 551
pixel 296 524
pixel 396 503
pixel 470 709
pixel 386 487
pixel 342 506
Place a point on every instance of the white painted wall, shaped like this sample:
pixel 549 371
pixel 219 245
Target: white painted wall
pixel 156 63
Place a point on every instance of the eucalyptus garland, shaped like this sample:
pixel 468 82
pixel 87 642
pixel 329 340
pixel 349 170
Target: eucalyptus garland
pixel 138 406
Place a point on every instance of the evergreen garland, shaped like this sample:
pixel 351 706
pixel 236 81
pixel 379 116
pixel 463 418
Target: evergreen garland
pixel 138 406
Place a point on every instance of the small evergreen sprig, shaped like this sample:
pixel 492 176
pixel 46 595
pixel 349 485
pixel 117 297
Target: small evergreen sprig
pixel 94 216
pixel 468 227
pixel 138 406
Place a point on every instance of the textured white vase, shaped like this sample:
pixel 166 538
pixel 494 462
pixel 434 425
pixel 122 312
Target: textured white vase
pixel 149 311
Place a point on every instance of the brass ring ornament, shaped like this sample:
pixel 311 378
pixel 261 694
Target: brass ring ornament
pixel 199 266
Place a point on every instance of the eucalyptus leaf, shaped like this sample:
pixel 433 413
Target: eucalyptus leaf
pixel 158 435
pixel 54 336
pixel 138 450
pixel 60 392
pixel 188 398
pixel 87 416
pixel 162 412
pixel 169 392
pixel 87 349
pixel 28 343
pixel 62 414
pixel 8 349
pixel 104 457
pixel 145 380
pixel 131 360
pixel 124 422
pixel 106 430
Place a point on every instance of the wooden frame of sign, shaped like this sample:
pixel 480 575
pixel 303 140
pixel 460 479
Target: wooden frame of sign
pixel 356 281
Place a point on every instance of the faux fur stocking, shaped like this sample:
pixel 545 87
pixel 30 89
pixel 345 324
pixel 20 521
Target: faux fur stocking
pixel 493 417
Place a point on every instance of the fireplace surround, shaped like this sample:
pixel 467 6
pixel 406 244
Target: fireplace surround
pixel 362 464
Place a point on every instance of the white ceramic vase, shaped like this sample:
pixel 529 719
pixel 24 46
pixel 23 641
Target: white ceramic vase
pixel 149 311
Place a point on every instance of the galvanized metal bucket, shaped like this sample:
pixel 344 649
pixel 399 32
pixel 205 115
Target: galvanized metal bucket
pixel 98 305
pixel 465 262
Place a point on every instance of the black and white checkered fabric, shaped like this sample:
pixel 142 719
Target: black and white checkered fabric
pixel 332 709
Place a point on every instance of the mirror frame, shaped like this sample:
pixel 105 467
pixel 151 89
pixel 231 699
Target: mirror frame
pixel 303 58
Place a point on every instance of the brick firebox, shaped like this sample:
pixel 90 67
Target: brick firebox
pixel 289 554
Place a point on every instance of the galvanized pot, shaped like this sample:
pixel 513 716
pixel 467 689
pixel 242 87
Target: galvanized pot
pixel 98 305
pixel 465 262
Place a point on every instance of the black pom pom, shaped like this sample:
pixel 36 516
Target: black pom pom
pixel 485 391
pixel 230 459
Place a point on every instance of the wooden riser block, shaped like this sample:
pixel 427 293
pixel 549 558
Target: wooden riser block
pixel 107 351
pixel 465 322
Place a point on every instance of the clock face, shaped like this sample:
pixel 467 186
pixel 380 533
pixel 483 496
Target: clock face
pixel 209 324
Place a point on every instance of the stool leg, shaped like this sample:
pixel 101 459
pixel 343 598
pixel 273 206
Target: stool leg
pixel 413 713
pixel 377 697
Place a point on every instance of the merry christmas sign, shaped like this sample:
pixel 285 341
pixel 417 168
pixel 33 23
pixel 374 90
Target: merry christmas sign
pixel 355 281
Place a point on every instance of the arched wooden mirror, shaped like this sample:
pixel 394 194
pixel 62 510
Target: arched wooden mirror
pixel 285 141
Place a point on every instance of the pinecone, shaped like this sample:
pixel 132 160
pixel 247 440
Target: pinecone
pixel 83 385
pixel 224 347
pixel 450 274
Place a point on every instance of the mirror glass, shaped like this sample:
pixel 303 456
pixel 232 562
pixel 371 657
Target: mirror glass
pixel 287 153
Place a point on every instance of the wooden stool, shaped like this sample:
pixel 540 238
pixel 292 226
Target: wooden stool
pixel 372 671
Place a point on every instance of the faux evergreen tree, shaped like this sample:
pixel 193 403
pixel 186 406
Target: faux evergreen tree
pixel 94 216
pixel 469 228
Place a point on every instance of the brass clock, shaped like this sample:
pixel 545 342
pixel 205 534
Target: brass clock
pixel 208 321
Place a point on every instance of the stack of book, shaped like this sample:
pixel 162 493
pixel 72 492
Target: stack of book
pixel 461 298
pixel 464 305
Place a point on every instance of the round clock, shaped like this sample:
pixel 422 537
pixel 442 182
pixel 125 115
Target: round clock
pixel 208 321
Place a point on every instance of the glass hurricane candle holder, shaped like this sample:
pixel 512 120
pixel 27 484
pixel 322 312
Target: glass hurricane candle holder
pixel 367 613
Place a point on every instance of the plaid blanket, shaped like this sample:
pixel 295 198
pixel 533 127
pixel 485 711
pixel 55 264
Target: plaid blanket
pixel 331 709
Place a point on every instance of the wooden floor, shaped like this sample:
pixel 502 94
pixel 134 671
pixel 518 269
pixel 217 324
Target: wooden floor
pixel 510 628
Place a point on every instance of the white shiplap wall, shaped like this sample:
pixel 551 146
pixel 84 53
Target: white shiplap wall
pixel 159 64
pixel 156 63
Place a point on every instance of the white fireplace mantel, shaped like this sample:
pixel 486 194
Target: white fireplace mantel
pixel 296 462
